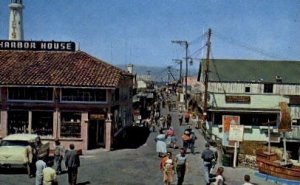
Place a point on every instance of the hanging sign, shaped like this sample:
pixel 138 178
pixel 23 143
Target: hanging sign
pixel 237 99
pixel 97 117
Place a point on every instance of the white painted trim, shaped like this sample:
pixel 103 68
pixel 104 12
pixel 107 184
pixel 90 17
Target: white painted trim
pixel 265 127
pixel 248 126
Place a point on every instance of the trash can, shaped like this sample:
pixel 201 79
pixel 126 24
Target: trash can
pixel 227 160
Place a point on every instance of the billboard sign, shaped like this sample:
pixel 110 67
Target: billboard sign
pixel 36 45
pixel 228 120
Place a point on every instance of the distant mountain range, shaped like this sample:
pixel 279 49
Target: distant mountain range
pixel 159 74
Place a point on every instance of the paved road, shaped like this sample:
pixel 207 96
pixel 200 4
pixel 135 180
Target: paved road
pixel 135 166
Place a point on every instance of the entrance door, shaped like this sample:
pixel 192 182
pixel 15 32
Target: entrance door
pixel 96 134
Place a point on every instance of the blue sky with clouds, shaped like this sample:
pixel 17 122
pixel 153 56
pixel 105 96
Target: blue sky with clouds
pixel 141 31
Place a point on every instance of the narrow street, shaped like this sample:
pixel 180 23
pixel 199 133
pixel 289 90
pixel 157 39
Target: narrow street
pixel 134 166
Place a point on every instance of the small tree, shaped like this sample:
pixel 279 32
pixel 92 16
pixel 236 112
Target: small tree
pixel 285 121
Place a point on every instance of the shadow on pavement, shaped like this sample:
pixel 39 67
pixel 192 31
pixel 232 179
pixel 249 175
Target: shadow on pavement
pixel 13 171
pixel 134 138
pixel 84 183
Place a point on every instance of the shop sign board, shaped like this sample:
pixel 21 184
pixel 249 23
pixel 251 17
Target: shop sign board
pixel 37 45
pixel 236 133
pixel 237 99
pixel 228 120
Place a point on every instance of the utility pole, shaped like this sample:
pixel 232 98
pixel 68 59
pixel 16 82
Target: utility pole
pixel 169 69
pixel 186 46
pixel 178 61
pixel 208 44
pixel 148 74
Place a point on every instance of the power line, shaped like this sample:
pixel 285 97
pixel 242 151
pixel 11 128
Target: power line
pixel 197 39
pixel 198 50
pixel 246 46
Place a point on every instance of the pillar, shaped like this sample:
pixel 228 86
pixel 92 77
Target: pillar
pixel 3 124
pixel 56 124
pixel 84 129
pixel 29 122
pixel 108 124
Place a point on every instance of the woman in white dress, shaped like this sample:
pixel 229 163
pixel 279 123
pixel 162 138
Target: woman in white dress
pixel 161 146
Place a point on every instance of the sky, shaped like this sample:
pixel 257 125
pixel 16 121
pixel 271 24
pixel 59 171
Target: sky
pixel 140 32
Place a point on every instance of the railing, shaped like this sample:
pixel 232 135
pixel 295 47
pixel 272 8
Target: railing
pixel 208 137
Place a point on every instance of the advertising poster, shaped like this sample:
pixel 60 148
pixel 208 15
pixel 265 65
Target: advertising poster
pixel 228 120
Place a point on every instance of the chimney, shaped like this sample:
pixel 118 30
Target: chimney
pixel 130 68
pixel 278 79
pixel 16 20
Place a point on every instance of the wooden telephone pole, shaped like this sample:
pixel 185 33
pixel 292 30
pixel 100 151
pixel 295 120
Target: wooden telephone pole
pixel 180 69
pixel 208 44
pixel 186 46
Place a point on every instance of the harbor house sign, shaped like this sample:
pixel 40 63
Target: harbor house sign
pixel 36 45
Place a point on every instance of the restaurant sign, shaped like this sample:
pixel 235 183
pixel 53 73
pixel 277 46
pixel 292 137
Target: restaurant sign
pixel 36 45
pixel 97 117
pixel 237 99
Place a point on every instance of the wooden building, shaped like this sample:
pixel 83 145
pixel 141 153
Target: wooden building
pixel 252 90
pixel 67 95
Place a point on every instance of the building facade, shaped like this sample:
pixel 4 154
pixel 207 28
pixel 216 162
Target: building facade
pixel 253 91
pixel 70 96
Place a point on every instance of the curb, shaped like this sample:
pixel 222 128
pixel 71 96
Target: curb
pixel 276 180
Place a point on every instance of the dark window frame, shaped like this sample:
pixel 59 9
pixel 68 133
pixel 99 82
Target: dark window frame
pixel 84 95
pixel 70 126
pixel 42 123
pixel 247 89
pixel 44 94
pixel 268 88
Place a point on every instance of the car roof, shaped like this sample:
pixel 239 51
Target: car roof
pixel 21 137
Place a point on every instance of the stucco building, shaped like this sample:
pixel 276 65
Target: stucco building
pixel 72 96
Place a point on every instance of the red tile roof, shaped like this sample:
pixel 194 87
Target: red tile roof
pixel 56 69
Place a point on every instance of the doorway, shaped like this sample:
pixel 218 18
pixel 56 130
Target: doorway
pixel 96 134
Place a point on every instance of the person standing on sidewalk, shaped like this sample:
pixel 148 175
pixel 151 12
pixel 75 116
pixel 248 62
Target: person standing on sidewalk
pixel 40 165
pixel 161 146
pixel 180 118
pixel 171 138
pixel 192 141
pixel 58 156
pixel 168 172
pixel 72 162
pixel 169 120
pixel 208 157
pixel 187 117
pixel 185 140
pixel 49 174
pixel 247 180
pixel 164 159
pixel 30 158
pixel 162 121
pixel 219 177
pixel 181 166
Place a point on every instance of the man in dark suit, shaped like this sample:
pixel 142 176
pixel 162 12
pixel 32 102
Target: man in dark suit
pixel 72 162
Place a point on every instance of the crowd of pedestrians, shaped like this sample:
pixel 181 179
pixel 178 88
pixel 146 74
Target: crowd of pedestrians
pixel 178 165
pixel 42 167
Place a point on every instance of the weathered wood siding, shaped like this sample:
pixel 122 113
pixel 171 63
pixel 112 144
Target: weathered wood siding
pixel 255 88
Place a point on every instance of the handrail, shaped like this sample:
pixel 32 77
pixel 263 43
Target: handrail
pixel 208 135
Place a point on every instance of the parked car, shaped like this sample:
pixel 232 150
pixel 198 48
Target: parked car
pixel 13 149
